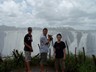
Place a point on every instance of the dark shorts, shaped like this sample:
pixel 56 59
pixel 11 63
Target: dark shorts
pixel 59 63
pixel 43 58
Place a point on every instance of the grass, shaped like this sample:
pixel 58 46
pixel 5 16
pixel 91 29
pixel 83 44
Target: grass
pixel 72 64
pixel 79 65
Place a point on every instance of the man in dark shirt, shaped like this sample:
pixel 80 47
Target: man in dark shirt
pixel 59 53
pixel 28 48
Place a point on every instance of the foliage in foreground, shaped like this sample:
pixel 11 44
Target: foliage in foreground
pixel 72 64
pixel 79 64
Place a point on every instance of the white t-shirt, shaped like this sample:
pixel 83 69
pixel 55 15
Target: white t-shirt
pixel 43 46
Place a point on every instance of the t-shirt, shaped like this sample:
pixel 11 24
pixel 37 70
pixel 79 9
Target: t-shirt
pixel 27 40
pixel 44 47
pixel 59 47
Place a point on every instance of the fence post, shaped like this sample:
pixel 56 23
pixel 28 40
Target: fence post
pixel 76 54
pixel 67 47
pixel 84 54
pixel 1 59
pixel 94 59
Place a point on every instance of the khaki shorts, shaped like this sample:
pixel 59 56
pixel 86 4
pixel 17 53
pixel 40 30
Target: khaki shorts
pixel 59 63
pixel 27 56
pixel 43 58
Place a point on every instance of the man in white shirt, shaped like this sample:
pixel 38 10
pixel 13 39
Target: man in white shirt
pixel 44 47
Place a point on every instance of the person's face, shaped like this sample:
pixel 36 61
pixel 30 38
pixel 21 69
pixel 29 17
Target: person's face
pixel 29 31
pixel 45 32
pixel 59 38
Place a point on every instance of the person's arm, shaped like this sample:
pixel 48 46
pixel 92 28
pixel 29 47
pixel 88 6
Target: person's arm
pixel 44 42
pixel 64 53
pixel 48 41
pixel 31 49
pixel 54 54
pixel 54 50
pixel 25 39
pixel 27 45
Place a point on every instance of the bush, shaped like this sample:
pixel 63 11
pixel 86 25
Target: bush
pixel 72 64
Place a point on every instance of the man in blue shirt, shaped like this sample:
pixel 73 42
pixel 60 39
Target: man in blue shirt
pixel 44 47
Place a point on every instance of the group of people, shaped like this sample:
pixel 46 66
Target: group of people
pixel 45 39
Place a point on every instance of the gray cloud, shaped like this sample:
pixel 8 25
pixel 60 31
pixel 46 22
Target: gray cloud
pixel 71 13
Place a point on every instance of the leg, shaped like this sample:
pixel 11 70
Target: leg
pixel 28 67
pixel 41 64
pixel 41 68
pixel 56 65
pixel 43 61
pixel 27 61
pixel 62 64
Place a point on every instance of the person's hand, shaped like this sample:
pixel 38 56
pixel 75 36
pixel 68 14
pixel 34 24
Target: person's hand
pixel 31 49
pixel 54 56
pixel 47 43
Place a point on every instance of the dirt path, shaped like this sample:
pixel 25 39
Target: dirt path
pixel 37 69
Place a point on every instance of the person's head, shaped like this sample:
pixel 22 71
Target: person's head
pixel 29 30
pixel 45 31
pixel 59 37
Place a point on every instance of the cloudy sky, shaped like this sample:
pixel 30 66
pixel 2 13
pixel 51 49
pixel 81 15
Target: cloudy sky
pixel 79 14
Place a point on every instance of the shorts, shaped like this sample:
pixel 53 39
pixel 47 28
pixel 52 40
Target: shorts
pixel 43 58
pixel 27 56
pixel 59 63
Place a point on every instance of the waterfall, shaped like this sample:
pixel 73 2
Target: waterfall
pixel 91 43
pixel 10 40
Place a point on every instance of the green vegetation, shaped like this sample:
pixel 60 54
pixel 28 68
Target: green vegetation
pixel 78 64
pixel 72 64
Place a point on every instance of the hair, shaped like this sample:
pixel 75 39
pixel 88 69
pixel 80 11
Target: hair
pixel 29 28
pixel 59 35
pixel 45 29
